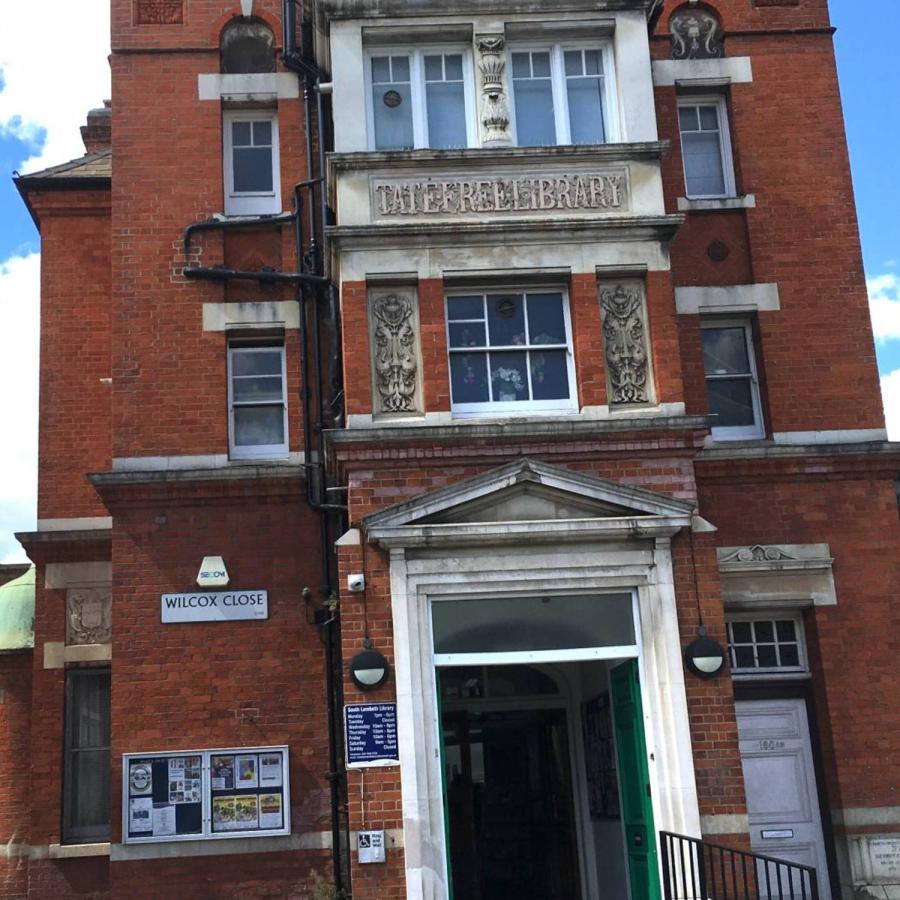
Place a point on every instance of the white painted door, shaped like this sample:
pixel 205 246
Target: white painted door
pixel 780 781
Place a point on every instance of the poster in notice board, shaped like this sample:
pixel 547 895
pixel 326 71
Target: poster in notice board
pixel 197 795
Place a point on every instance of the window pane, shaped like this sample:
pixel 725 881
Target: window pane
pixel 743 657
pixel 740 633
pixel 725 351
pixel 381 69
pixel 465 308
pixel 391 103
pixel 509 377
pixel 453 64
pixel 573 62
pixel 687 118
pixel 790 656
pixel 532 623
pixel 262 134
pixel 467 334
pixel 252 169
pixel 586 110
pixel 400 68
pixel 703 163
pixel 540 65
pixel 593 62
pixel 709 118
pixel 90 711
pixel 256 362
pixel 240 134
pixel 468 377
pixel 446 114
pixel 786 631
pixel 765 653
pixel 546 321
pixel 731 399
pixel 259 389
pixel 506 319
pixel 434 68
pixel 535 122
pixel 765 633
pixel 89 789
pixel 521 65
pixel 258 426
pixel 549 375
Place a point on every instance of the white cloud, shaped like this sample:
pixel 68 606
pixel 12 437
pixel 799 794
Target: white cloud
pixel 55 69
pixel 884 306
pixel 890 392
pixel 19 313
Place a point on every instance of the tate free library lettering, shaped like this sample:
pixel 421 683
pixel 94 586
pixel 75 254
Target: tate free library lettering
pixel 514 359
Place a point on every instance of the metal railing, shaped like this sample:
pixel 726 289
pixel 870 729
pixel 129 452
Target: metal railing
pixel 698 870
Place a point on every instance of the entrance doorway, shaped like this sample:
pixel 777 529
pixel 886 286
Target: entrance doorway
pixel 533 802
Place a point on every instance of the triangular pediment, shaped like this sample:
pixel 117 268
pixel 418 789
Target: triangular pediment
pixel 529 491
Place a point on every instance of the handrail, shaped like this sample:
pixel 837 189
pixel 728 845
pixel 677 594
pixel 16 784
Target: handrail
pixel 694 869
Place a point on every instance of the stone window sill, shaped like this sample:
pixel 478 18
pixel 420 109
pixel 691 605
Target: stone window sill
pixel 686 204
pixel 77 851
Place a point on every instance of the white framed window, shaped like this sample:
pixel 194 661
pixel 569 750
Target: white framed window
pixel 257 402
pixel 251 162
pixel 732 383
pixel 766 645
pixel 510 352
pixel 421 98
pixel 706 147
pixel 562 94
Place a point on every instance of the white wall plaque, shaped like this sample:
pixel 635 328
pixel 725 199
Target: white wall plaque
pixel 370 847
pixel 214 606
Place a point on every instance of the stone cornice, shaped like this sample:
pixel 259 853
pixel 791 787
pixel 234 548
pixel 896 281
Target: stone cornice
pixel 381 9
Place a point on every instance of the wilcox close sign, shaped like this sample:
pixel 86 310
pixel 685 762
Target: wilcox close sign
pixel 214 606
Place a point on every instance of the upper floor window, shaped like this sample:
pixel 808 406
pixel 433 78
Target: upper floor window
pixel 86 774
pixel 257 402
pixel 732 383
pixel 561 95
pixel 766 645
pixel 510 352
pixel 421 98
pixel 706 148
pixel 252 174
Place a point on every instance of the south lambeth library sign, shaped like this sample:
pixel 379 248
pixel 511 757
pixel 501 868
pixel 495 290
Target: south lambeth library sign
pixel 214 606
pixel 447 195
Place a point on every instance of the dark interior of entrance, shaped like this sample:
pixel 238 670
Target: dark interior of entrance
pixel 531 786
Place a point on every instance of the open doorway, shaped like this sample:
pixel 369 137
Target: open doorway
pixel 532 792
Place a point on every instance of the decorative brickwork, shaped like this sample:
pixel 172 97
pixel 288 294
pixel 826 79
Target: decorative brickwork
pixel 159 12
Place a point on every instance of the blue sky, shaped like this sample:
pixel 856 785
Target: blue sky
pixel 40 113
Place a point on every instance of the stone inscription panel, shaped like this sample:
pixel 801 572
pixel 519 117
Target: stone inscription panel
pixel 453 196
pixel 884 855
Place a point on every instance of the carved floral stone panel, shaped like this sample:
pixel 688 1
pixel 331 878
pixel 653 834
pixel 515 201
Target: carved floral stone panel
pixel 394 342
pixel 159 12
pixel 624 315
pixel 494 103
pixel 88 615
pixel 696 34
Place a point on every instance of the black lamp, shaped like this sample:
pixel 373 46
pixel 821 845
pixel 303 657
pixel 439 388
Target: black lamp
pixel 369 669
pixel 703 656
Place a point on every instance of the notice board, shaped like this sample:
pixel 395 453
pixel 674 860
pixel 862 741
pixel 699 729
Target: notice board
pixel 203 794
pixel 371 735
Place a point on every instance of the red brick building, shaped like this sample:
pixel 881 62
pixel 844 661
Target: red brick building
pixel 522 345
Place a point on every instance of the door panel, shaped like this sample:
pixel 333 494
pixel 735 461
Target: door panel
pixel 634 781
pixel 782 800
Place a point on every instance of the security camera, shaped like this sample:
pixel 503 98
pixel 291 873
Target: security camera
pixel 356 583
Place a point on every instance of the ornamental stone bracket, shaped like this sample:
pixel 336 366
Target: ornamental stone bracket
pixel 696 34
pixel 624 314
pixel 777 575
pixel 88 615
pixel 494 103
pixel 395 346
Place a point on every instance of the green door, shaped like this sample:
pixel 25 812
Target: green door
pixel 634 782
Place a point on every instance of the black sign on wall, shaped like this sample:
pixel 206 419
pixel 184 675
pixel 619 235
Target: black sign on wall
pixel 371 732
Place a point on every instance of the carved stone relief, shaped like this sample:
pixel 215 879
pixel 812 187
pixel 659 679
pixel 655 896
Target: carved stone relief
pixel 88 615
pixel 696 34
pixel 757 553
pixel 625 343
pixel 159 12
pixel 394 343
pixel 494 106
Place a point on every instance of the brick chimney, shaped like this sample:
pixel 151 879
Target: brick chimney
pixel 97 134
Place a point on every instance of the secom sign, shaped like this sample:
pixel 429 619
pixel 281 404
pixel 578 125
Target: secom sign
pixel 217 606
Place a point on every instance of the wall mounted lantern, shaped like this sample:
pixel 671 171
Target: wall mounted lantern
pixel 704 656
pixel 369 669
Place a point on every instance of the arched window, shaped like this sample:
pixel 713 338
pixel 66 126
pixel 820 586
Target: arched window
pixel 247 45
pixel 696 34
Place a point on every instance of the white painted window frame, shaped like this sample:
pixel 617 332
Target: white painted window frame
pixel 738 432
pixel 611 126
pixel 247 203
pixel 260 451
pixel 417 90
pixel 718 102
pixel 515 407
pixel 773 616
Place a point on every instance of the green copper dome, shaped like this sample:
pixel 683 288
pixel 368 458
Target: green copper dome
pixel 17 613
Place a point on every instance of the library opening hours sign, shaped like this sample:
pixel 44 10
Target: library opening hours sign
pixel 371 735
pixel 206 794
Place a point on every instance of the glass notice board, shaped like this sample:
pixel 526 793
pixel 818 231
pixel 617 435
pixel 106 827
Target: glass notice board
pixel 205 794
